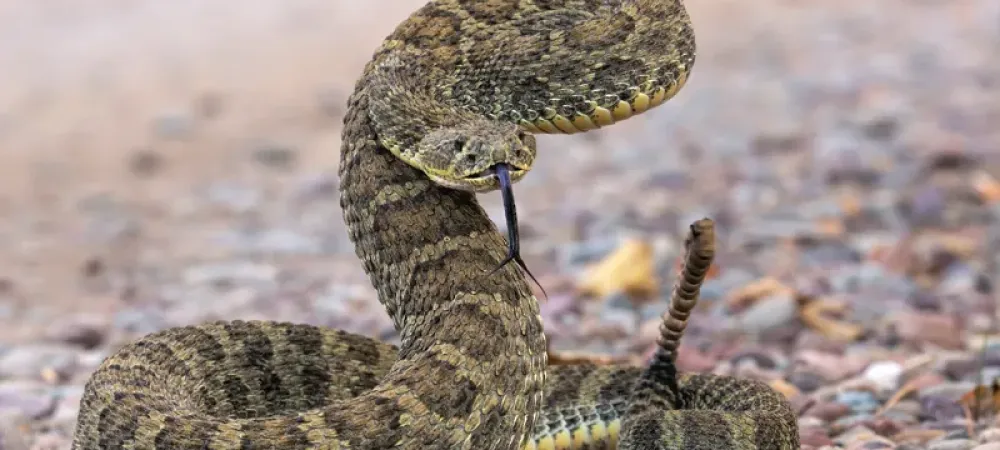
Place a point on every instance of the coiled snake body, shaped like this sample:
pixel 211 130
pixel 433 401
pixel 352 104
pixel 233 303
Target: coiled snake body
pixel 453 93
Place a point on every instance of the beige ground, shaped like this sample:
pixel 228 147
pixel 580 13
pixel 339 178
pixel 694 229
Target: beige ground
pixel 83 82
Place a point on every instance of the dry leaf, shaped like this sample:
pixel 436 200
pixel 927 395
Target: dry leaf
pixel 850 204
pixel 831 227
pixel 981 399
pixel 785 388
pixel 812 314
pixel 628 269
pixel 755 291
pixel 987 187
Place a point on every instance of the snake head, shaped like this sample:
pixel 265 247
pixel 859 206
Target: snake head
pixel 465 157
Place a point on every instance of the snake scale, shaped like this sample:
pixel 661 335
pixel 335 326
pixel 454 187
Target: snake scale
pixel 446 108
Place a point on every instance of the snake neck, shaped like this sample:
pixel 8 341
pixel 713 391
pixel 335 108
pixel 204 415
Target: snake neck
pixel 429 251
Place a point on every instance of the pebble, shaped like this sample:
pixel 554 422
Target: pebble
pixel 814 436
pixel 884 374
pixel 174 125
pixel 86 332
pixel 316 187
pixel 33 360
pixel 231 273
pixel 274 155
pixel 145 163
pixel 933 328
pixel 273 241
pixel 138 320
pixel 940 408
pixel 854 434
pixel 990 435
pixel 951 444
pixel 829 411
pixel 234 197
pixel 51 441
pixel 29 399
pixel 767 314
pixel 12 431
pixel 806 381
pixel 951 391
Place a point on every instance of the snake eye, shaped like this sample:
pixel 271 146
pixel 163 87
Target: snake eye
pixel 459 144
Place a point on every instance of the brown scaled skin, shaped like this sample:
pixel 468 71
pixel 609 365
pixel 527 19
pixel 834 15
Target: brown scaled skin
pixel 470 372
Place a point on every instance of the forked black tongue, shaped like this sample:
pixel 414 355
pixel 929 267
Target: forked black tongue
pixel 510 214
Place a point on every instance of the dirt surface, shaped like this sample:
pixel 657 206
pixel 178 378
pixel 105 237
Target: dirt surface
pixel 166 163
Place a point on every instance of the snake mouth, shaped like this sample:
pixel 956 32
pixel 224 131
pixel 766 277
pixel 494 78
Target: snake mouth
pixel 491 173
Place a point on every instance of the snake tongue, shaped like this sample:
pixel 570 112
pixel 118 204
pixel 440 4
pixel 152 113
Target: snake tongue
pixel 510 214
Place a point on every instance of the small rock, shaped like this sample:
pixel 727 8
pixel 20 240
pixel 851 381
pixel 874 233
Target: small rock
pixel 933 328
pixel 884 374
pixel 230 272
pixel 872 444
pixel 814 436
pixel 174 125
pixel 145 163
pixel 210 105
pixel 951 391
pixel 274 155
pixel 854 434
pixel 332 102
pixel 68 405
pixel 830 366
pixel 13 428
pixel 904 409
pixel 138 321
pixel 33 361
pixel 279 241
pixel 860 402
pixel 690 359
pixel 951 444
pixel 806 381
pixel 829 411
pixel 990 435
pixel 51 441
pixel 939 408
pixel 234 197
pixel 760 359
pixel 29 399
pixel 767 314
pixel 83 332
pixel 320 186
pixel 924 301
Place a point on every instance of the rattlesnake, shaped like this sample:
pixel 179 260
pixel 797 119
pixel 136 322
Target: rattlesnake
pixel 446 108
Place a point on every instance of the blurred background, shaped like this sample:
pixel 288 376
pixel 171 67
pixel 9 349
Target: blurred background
pixel 168 163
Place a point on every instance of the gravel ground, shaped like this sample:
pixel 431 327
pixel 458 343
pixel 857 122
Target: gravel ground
pixel 170 163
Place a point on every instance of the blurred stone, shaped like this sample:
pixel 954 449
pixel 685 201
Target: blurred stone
pixel 951 444
pixel 174 125
pixel 829 411
pixel 13 431
pixel 768 313
pixel 86 332
pixel 924 327
pixel 884 374
pixel 28 399
pixel 145 162
pixel 274 155
pixel 31 361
